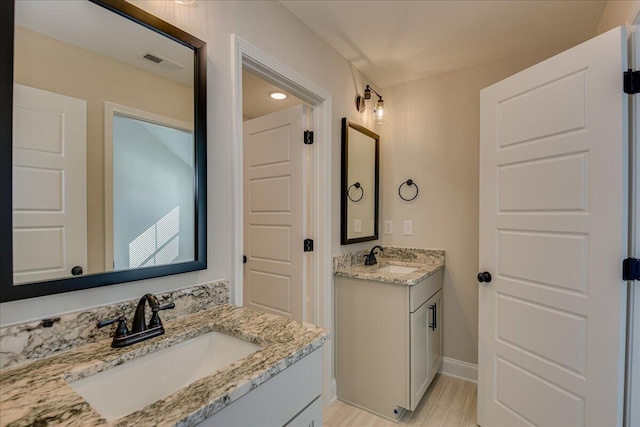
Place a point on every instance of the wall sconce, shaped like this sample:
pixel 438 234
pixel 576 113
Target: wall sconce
pixel 379 112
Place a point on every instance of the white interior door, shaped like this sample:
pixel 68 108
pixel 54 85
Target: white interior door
pixel 49 185
pixel 553 233
pixel 273 213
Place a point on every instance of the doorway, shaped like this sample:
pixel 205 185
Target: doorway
pixel 277 195
pixel 248 57
pixel 137 233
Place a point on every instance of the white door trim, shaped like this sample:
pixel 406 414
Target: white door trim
pixel 245 55
pixel 632 384
pixel 110 109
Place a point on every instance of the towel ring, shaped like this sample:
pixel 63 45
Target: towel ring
pixel 409 183
pixel 357 185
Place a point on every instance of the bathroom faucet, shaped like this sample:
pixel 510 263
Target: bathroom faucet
pixel 371 258
pixel 139 322
pixel 140 331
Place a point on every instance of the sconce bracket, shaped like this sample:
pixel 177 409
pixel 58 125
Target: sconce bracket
pixel 360 103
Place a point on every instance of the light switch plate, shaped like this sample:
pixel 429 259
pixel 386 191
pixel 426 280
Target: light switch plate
pixel 357 226
pixel 388 227
pixel 408 228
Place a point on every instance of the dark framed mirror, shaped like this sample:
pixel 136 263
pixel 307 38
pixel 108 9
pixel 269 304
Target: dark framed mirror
pixel 360 186
pixel 102 149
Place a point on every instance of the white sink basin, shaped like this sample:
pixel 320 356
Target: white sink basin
pixel 124 389
pixel 398 269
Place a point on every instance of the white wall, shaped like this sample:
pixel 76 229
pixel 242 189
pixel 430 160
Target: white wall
pixel 433 137
pixel 270 27
pixel 149 183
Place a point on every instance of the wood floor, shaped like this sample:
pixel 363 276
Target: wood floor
pixel 449 402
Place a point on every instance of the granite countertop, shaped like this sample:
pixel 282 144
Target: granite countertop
pixel 36 393
pixel 426 264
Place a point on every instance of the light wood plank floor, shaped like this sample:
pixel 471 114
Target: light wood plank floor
pixel 449 402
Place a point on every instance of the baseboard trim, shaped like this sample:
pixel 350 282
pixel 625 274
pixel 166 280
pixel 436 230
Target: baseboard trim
pixel 459 369
pixel 334 394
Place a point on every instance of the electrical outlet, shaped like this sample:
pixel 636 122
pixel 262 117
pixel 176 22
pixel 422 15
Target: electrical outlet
pixel 357 226
pixel 388 227
pixel 408 228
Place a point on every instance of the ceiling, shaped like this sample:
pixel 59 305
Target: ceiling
pixel 94 28
pixel 396 41
pixel 256 101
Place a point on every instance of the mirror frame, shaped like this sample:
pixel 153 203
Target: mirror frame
pixel 9 292
pixel 346 125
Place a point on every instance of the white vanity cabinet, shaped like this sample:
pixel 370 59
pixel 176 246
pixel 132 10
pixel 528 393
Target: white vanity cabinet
pixel 388 342
pixel 291 398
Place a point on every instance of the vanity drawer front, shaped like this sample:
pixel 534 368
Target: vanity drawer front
pixel 421 292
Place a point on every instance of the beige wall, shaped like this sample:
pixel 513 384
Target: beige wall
pixel 617 13
pixel 49 64
pixel 432 137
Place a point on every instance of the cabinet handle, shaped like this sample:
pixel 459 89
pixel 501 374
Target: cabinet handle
pixel 433 323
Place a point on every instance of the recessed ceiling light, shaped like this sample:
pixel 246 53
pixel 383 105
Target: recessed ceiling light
pixel 277 95
pixel 185 1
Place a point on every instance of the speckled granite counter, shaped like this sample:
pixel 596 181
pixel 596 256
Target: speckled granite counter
pixel 37 393
pixel 426 262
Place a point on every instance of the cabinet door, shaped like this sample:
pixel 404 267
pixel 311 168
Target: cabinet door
pixel 434 334
pixel 419 354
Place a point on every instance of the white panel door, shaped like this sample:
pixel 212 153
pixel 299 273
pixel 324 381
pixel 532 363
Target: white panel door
pixel 49 185
pixel 553 234
pixel 273 213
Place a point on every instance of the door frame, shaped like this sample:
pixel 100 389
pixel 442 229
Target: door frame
pixel 244 55
pixel 631 412
pixel 111 109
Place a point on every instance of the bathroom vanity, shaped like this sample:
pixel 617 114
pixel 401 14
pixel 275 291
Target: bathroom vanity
pixel 276 382
pixel 388 332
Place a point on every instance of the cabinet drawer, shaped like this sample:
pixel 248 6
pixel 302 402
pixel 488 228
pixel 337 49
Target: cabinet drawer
pixel 311 416
pixel 421 292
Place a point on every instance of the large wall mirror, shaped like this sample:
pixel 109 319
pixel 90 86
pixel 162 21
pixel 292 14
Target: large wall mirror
pixel 360 175
pixel 103 146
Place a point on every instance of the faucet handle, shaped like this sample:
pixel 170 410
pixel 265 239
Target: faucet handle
pixel 154 322
pixel 121 329
pixel 169 306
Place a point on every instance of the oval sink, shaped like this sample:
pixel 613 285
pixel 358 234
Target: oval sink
pixel 397 269
pixel 127 388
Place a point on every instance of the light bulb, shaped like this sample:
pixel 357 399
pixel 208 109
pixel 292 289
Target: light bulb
pixel 380 113
pixel 278 95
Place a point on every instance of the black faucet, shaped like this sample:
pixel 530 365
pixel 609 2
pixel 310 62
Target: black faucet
pixel 140 330
pixel 371 258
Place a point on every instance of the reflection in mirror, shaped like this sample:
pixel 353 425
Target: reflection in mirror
pixel 62 68
pixel 360 151
pixel 152 194
pixel 106 164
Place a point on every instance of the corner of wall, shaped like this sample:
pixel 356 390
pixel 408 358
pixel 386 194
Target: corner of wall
pixel 617 13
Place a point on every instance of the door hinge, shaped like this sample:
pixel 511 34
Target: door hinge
pixel 308 245
pixel 308 137
pixel 631 82
pixel 631 269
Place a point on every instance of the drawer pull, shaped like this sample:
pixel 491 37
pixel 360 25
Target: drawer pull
pixel 434 319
